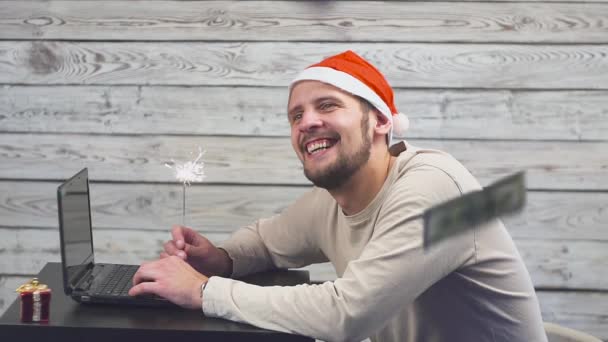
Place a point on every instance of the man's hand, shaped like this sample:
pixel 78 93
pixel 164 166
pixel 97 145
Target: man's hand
pixel 171 278
pixel 199 252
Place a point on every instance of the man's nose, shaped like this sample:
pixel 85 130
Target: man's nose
pixel 310 120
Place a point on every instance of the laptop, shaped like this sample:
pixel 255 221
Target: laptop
pixel 83 279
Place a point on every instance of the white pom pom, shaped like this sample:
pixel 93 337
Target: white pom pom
pixel 400 125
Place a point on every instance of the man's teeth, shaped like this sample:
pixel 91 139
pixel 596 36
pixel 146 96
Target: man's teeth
pixel 317 146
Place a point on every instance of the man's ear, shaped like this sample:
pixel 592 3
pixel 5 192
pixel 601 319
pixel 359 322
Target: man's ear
pixel 383 124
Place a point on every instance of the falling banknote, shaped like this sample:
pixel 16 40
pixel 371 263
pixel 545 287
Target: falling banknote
pixel 503 197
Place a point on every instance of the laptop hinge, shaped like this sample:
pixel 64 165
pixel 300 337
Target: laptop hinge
pixel 85 280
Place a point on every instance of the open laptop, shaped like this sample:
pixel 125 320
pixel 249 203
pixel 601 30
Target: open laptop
pixel 83 279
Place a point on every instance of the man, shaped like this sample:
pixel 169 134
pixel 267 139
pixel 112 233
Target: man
pixel 360 217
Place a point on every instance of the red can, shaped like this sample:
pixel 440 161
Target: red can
pixel 35 302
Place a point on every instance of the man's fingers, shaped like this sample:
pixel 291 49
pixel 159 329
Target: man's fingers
pixel 177 232
pixel 190 236
pixel 192 251
pixel 170 278
pixel 144 288
pixel 170 248
pixel 137 277
pixel 146 272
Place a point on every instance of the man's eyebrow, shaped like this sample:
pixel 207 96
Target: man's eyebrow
pixel 325 98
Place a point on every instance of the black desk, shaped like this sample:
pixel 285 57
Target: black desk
pixel 71 321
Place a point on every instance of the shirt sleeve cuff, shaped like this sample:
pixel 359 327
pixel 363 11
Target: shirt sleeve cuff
pixel 212 296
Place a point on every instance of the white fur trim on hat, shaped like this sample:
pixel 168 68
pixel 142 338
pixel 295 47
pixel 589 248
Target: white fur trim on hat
pixel 345 82
pixel 400 124
pixel 354 86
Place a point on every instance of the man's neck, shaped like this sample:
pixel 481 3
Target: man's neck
pixel 363 186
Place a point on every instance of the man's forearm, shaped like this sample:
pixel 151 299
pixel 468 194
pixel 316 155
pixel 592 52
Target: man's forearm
pixel 246 253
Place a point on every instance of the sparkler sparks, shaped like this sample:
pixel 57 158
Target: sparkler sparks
pixel 191 171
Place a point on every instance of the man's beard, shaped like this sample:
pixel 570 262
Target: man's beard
pixel 339 172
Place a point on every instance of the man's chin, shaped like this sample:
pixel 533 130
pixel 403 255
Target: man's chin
pixel 324 179
pixel 317 166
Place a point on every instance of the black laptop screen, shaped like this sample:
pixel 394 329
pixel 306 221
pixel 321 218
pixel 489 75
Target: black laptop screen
pixel 75 226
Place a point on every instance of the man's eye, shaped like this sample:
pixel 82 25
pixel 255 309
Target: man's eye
pixel 296 117
pixel 327 106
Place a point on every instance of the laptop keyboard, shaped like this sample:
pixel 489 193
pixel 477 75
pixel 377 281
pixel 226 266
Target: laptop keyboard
pixel 118 282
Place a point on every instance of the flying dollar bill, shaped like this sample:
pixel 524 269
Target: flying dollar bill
pixel 506 196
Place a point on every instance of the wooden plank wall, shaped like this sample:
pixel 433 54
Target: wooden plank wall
pixel 123 87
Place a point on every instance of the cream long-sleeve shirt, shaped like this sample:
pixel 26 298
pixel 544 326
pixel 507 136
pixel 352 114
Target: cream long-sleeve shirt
pixel 472 287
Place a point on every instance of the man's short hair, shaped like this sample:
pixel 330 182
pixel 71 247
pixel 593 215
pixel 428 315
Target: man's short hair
pixel 366 106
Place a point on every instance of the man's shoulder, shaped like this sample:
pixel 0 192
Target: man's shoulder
pixel 431 167
pixel 416 156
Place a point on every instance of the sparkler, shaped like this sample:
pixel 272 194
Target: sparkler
pixel 188 172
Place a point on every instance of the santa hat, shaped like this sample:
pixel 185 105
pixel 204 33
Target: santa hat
pixel 353 74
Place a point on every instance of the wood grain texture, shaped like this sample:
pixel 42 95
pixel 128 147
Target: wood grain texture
pixel 25 251
pixel 453 114
pixel 581 311
pixel 148 206
pixel 565 215
pixel 8 285
pixel 551 263
pixel 223 208
pixel 276 64
pixel 339 21
pixel 254 160
pixel 557 263
pixel 123 87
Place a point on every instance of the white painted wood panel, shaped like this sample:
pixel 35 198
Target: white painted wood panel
pixel 276 64
pixel 263 160
pixel 123 87
pixel 584 311
pixel 148 206
pixel 223 208
pixel 305 20
pixel 453 114
pixel 551 263
pixel 8 285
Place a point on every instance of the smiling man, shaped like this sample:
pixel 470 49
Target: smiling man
pixel 361 217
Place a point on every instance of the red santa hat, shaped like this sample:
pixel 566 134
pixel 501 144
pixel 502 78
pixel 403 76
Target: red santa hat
pixel 353 74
